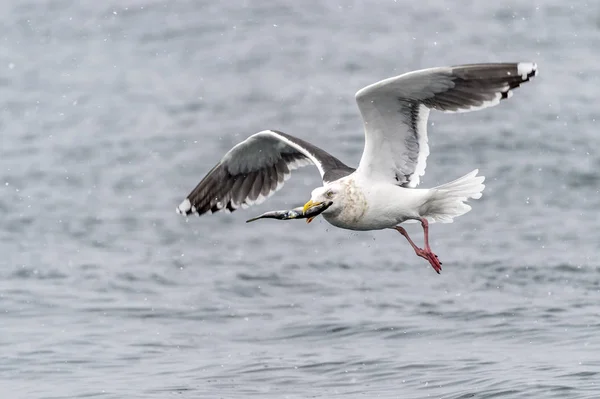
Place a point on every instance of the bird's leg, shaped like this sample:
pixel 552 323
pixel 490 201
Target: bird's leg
pixel 433 258
pixel 425 225
pixel 426 253
pixel 402 231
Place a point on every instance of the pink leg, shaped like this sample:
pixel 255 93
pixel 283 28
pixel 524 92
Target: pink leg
pixel 425 253
pixel 425 225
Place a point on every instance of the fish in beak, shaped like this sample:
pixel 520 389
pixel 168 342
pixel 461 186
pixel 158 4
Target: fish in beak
pixel 296 213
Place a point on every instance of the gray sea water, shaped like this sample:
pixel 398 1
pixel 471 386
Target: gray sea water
pixel 111 112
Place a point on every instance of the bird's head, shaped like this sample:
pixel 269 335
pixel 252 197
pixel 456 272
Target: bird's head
pixel 330 194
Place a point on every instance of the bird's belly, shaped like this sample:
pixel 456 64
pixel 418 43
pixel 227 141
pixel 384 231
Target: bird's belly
pixel 344 223
pixel 364 222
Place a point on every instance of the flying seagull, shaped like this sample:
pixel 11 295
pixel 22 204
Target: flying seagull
pixel 381 193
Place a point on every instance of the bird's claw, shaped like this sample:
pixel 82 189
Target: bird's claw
pixel 431 258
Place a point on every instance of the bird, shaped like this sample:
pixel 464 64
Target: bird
pixel 381 192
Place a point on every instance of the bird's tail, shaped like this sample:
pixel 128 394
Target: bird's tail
pixel 448 200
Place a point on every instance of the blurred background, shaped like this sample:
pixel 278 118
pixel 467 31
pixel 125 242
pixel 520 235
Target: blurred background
pixel 111 112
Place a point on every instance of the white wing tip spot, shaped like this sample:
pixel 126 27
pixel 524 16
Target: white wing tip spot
pixel 184 207
pixel 527 69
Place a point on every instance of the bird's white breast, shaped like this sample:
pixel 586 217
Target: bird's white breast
pixel 354 206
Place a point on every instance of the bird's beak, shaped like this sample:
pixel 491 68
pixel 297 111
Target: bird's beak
pixel 309 205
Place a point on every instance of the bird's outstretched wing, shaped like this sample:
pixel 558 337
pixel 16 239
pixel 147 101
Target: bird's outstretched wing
pixel 395 112
pixel 256 168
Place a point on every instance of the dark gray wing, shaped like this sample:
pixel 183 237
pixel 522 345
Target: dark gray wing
pixel 395 112
pixel 256 168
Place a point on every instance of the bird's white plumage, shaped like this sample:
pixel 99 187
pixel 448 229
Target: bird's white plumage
pixel 484 104
pixel 415 178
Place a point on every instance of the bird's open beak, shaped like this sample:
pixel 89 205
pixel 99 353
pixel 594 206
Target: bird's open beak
pixel 309 205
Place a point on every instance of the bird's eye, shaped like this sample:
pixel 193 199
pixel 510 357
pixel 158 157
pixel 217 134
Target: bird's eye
pixel 329 194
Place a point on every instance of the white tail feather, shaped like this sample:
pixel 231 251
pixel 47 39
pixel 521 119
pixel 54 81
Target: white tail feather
pixel 448 200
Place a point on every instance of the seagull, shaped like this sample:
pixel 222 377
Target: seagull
pixel 381 193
